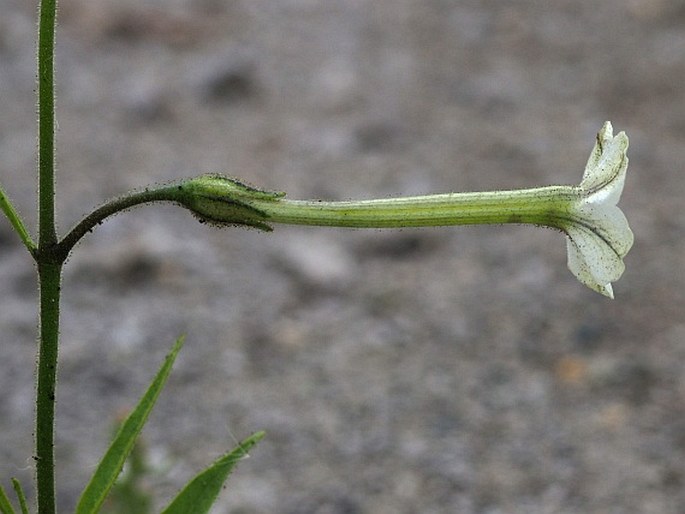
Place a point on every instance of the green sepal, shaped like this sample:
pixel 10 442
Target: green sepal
pixel 221 184
pixel 223 212
pixel 223 201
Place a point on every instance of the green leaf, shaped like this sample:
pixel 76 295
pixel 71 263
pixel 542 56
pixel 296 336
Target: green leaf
pixel 5 505
pixel 129 494
pixel 110 466
pixel 20 494
pixel 14 218
pixel 198 496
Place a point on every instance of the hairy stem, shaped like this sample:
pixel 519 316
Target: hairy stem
pixel 49 270
pixel 46 123
pixel 49 284
pixel 87 224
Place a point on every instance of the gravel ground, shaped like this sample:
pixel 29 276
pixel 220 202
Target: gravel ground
pixel 441 370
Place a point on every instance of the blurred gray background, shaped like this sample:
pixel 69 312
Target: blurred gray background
pixel 439 370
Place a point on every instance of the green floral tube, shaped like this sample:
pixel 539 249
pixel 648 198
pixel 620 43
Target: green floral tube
pixel 598 232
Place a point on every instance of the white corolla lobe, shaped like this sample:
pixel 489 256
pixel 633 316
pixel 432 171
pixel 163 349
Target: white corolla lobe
pixel 598 233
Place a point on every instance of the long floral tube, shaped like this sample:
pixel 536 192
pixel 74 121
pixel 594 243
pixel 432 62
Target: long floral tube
pixel 223 200
pixel 598 233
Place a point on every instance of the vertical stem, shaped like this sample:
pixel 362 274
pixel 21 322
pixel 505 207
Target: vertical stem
pixel 49 269
pixel 49 283
pixel 46 123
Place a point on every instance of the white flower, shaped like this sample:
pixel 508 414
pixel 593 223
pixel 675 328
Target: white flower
pixel 598 235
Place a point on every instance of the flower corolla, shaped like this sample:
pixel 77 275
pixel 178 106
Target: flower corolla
pixel 598 233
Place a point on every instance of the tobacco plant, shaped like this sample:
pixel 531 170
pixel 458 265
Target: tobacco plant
pixel 597 234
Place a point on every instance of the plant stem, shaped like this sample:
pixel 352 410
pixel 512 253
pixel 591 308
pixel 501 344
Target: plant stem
pixel 49 274
pixel 163 193
pixel 46 123
pixel 49 269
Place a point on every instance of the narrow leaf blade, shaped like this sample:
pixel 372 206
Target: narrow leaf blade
pixel 21 496
pixel 111 464
pixel 5 505
pixel 198 496
pixel 14 218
